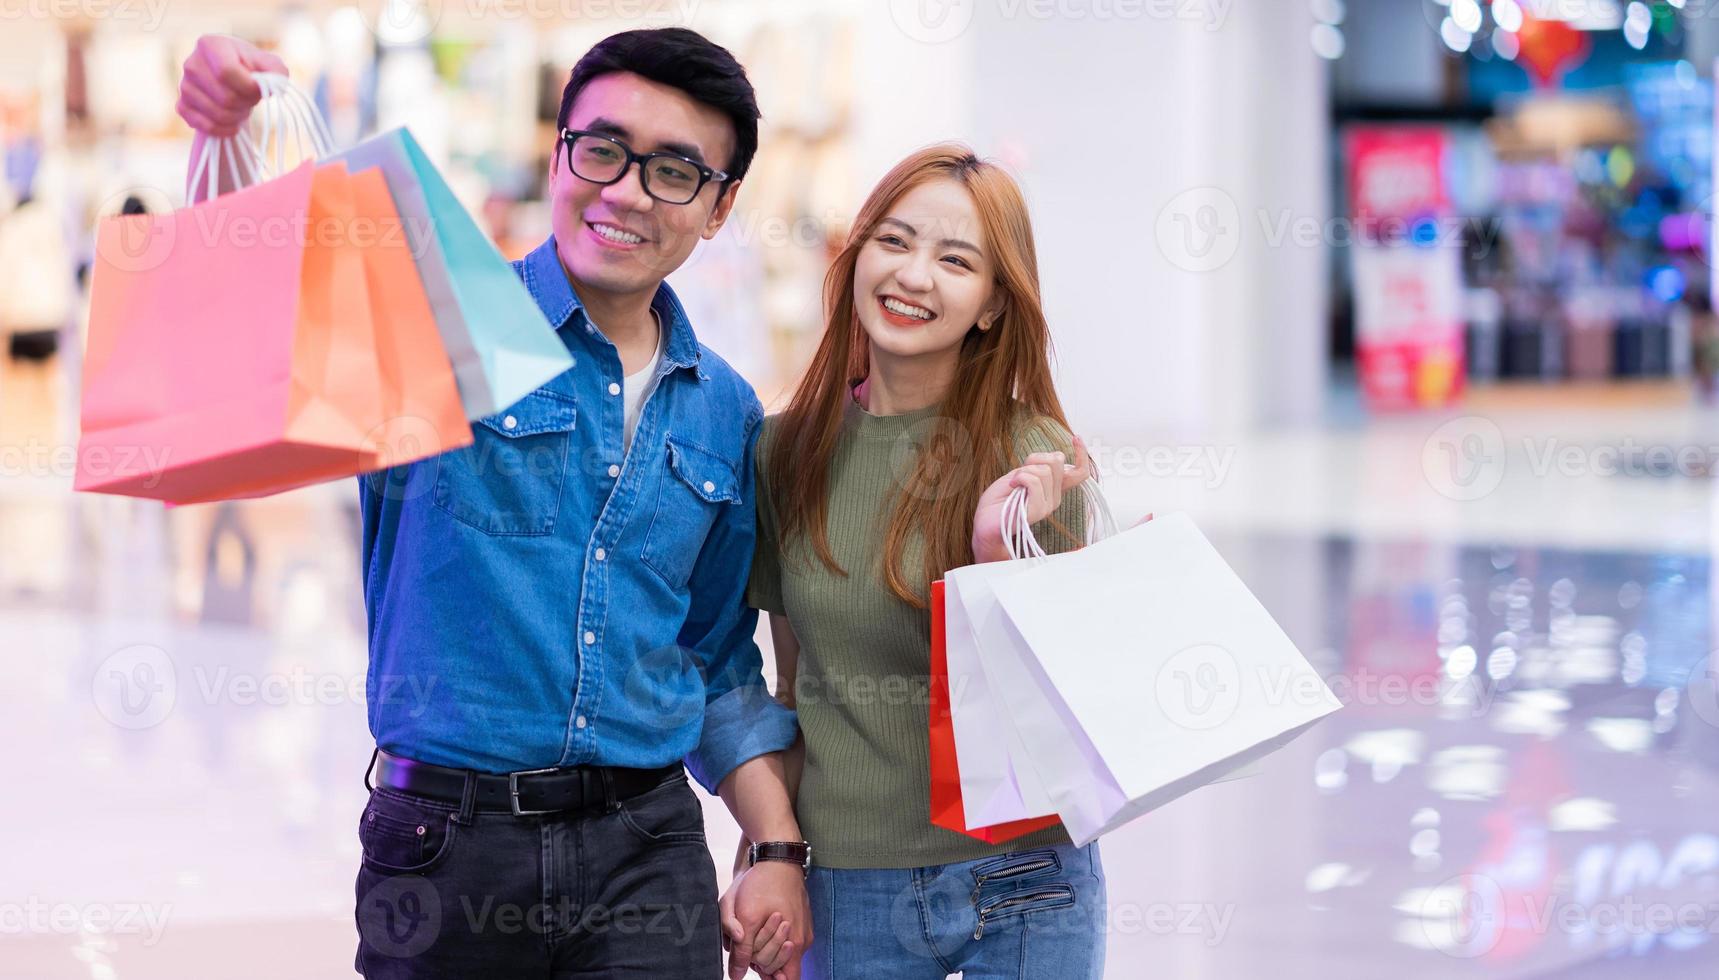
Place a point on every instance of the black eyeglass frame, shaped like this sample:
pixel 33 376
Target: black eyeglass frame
pixel 705 174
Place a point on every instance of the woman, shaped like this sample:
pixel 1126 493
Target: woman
pixel 867 493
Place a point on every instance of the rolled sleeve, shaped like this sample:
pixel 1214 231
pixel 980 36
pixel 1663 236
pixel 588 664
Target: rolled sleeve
pixel 740 724
pixel 741 718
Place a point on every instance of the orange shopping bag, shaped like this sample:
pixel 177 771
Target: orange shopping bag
pixel 422 413
pixel 946 808
pixel 421 398
pixel 232 349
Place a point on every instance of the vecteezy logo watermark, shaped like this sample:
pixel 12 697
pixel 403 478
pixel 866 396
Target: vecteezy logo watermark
pixel 645 13
pixel 932 457
pixel 1209 464
pixel 1285 227
pixel 1467 458
pixel 1199 687
pixel 407 22
pixel 1701 690
pixel 1210 14
pixel 144 242
pixel 936 21
pixel 1199 229
pixel 997 891
pixel 1469 915
pixel 37 459
pixel 136 242
pixel 399 440
pixel 400 916
pixel 665 684
pixel 401 22
pixel 138 686
pixel 675 924
pixel 1464 916
pixel 1463 459
pixel 932 21
pixel 113 12
pixel 34 916
pixel 135 687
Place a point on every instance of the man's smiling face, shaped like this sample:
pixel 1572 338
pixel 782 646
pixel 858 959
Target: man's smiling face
pixel 615 238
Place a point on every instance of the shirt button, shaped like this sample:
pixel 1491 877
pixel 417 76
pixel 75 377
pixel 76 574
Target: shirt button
pixel 590 637
pixel 601 554
pixel 510 422
pixel 709 487
pixel 614 389
pixel 579 721
pixel 614 470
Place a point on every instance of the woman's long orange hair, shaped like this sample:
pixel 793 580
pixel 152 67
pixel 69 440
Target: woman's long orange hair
pixel 1002 379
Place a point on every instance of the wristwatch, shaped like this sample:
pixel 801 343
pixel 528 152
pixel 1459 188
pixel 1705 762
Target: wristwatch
pixel 794 852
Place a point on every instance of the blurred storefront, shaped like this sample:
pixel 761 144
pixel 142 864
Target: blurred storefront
pixel 1553 169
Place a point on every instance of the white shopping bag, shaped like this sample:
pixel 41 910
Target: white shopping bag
pixel 1161 670
pixel 999 783
pixel 996 786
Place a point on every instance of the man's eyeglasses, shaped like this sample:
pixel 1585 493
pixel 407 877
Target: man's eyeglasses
pixel 668 177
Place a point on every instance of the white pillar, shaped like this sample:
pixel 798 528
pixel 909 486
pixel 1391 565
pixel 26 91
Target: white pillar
pixel 1161 146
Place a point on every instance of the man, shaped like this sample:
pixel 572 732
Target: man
pixel 569 588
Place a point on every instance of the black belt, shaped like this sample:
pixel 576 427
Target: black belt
pixel 524 793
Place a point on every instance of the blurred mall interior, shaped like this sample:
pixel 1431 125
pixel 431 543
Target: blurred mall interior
pixel 1407 302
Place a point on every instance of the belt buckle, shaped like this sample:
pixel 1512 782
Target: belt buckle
pixel 513 791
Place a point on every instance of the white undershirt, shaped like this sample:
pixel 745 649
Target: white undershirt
pixel 636 388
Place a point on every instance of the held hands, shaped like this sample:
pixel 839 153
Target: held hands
pixel 767 921
pixel 1046 477
pixel 217 92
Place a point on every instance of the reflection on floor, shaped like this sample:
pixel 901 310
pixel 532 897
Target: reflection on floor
pixel 1524 782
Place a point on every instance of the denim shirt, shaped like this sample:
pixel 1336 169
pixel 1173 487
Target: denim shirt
pixel 541 598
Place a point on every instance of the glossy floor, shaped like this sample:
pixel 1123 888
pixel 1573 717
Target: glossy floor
pixel 1524 782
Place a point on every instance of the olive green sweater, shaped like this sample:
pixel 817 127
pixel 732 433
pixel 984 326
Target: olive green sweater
pixel 865 656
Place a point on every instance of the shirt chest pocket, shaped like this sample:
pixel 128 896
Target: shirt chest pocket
pixel 696 485
pixel 508 481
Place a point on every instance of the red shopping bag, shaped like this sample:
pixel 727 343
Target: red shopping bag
pixel 946 806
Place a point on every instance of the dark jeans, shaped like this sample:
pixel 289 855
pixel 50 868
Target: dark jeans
pixel 626 892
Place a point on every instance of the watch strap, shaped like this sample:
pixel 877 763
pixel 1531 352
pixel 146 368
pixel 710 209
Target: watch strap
pixel 793 852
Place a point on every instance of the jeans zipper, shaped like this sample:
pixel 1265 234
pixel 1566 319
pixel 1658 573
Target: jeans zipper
pixel 1012 871
pixel 1015 901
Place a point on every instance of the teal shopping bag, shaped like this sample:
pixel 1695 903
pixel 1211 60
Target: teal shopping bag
pixel 501 346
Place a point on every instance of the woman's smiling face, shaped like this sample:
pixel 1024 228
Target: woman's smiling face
pixel 924 277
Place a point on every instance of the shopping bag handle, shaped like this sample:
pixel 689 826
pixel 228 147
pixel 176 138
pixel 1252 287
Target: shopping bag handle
pixel 238 153
pixel 1018 535
pixel 286 105
pixel 284 111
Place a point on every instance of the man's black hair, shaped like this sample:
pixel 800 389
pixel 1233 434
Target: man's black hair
pixel 682 59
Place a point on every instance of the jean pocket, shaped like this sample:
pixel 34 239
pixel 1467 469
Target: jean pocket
pixel 1025 900
pixel 695 485
pixel 400 836
pixel 508 481
pixel 1018 866
pixel 668 814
